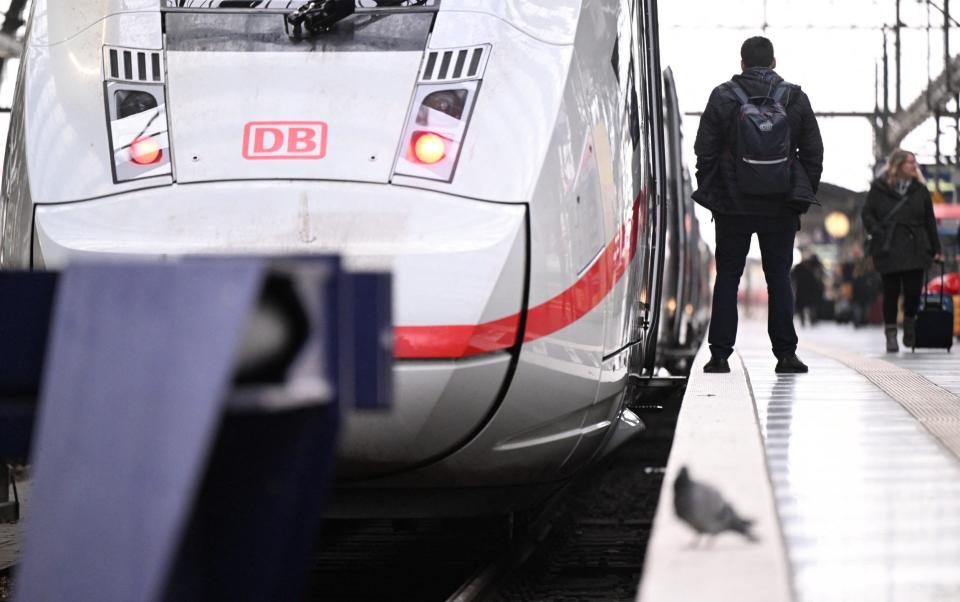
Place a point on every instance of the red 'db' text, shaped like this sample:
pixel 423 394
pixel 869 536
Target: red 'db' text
pixel 284 140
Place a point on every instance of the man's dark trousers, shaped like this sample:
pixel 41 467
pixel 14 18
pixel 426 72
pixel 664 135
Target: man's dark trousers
pixel 776 236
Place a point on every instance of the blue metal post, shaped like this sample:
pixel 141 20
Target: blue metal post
pixel 185 432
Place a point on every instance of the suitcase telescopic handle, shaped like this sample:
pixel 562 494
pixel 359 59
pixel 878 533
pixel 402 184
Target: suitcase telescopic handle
pixel 926 281
pixel 942 269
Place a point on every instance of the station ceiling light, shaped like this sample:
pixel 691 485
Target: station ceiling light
pixel 837 224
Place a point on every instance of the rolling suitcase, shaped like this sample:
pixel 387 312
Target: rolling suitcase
pixel 935 319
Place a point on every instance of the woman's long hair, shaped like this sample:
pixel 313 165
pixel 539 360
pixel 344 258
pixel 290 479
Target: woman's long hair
pixel 892 170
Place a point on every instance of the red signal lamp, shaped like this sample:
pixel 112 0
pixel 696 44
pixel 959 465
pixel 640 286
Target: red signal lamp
pixel 145 151
pixel 429 148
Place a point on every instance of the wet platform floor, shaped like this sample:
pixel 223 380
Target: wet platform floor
pixel 862 462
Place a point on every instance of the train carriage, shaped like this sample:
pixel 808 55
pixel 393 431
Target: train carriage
pixel 685 311
pixel 502 158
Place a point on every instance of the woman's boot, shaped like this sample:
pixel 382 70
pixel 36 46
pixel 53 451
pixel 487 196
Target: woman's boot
pixel 909 332
pixel 891 332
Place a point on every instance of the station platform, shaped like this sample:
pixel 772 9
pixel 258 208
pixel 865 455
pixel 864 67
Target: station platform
pixel 851 473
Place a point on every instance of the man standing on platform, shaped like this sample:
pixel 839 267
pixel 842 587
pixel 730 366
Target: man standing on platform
pixel 759 160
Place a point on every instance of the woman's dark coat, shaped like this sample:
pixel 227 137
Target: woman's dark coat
pixel 913 241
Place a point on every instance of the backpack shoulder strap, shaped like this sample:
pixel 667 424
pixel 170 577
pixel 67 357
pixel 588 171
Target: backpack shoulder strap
pixel 737 91
pixel 782 93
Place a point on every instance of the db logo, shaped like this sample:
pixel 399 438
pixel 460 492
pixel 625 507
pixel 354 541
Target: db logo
pixel 284 140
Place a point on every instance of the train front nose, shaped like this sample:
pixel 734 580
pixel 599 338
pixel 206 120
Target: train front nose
pixel 250 103
pixel 458 265
pixel 279 147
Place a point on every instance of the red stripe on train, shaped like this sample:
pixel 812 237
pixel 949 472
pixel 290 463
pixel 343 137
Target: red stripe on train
pixel 460 341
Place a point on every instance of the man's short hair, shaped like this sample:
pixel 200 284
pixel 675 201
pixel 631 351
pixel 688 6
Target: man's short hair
pixel 757 52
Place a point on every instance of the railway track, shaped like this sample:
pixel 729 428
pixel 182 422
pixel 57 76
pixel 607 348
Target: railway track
pixel 6 585
pixel 419 561
pixel 587 545
pixel 590 547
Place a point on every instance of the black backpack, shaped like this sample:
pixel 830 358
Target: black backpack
pixel 764 152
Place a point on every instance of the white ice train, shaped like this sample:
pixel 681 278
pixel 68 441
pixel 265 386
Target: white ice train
pixel 503 158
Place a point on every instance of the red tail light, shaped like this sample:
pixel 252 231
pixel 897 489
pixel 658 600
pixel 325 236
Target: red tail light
pixel 429 148
pixel 145 151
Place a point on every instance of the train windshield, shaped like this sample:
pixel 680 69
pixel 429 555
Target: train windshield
pixel 288 5
pixel 262 26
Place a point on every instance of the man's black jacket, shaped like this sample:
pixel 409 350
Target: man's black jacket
pixel 716 172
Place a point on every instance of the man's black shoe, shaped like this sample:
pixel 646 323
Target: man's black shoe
pixel 716 365
pixel 791 364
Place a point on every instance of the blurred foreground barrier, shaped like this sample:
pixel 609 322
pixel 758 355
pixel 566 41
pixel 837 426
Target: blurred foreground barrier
pixel 181 420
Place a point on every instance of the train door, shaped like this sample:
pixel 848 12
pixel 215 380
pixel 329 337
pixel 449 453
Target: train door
pixel 634 171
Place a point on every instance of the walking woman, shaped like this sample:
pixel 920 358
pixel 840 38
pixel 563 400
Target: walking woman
pixel 898 217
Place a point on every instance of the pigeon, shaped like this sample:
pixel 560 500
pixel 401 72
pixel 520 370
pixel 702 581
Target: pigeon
pixel 703 508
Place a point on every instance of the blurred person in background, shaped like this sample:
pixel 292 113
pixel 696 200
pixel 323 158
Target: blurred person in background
pixel 902 240
pixel 807 278
pixel 843 290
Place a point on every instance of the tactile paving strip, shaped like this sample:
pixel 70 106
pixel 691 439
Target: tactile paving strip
pixel 934 406
pixel 867 496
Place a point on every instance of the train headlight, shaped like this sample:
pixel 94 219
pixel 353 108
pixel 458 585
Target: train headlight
pixel 138 131
pixel 136 99
pixel 145 151
pixel 429 148
pixel 443 102
pixel 448 102
pixel 435 130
